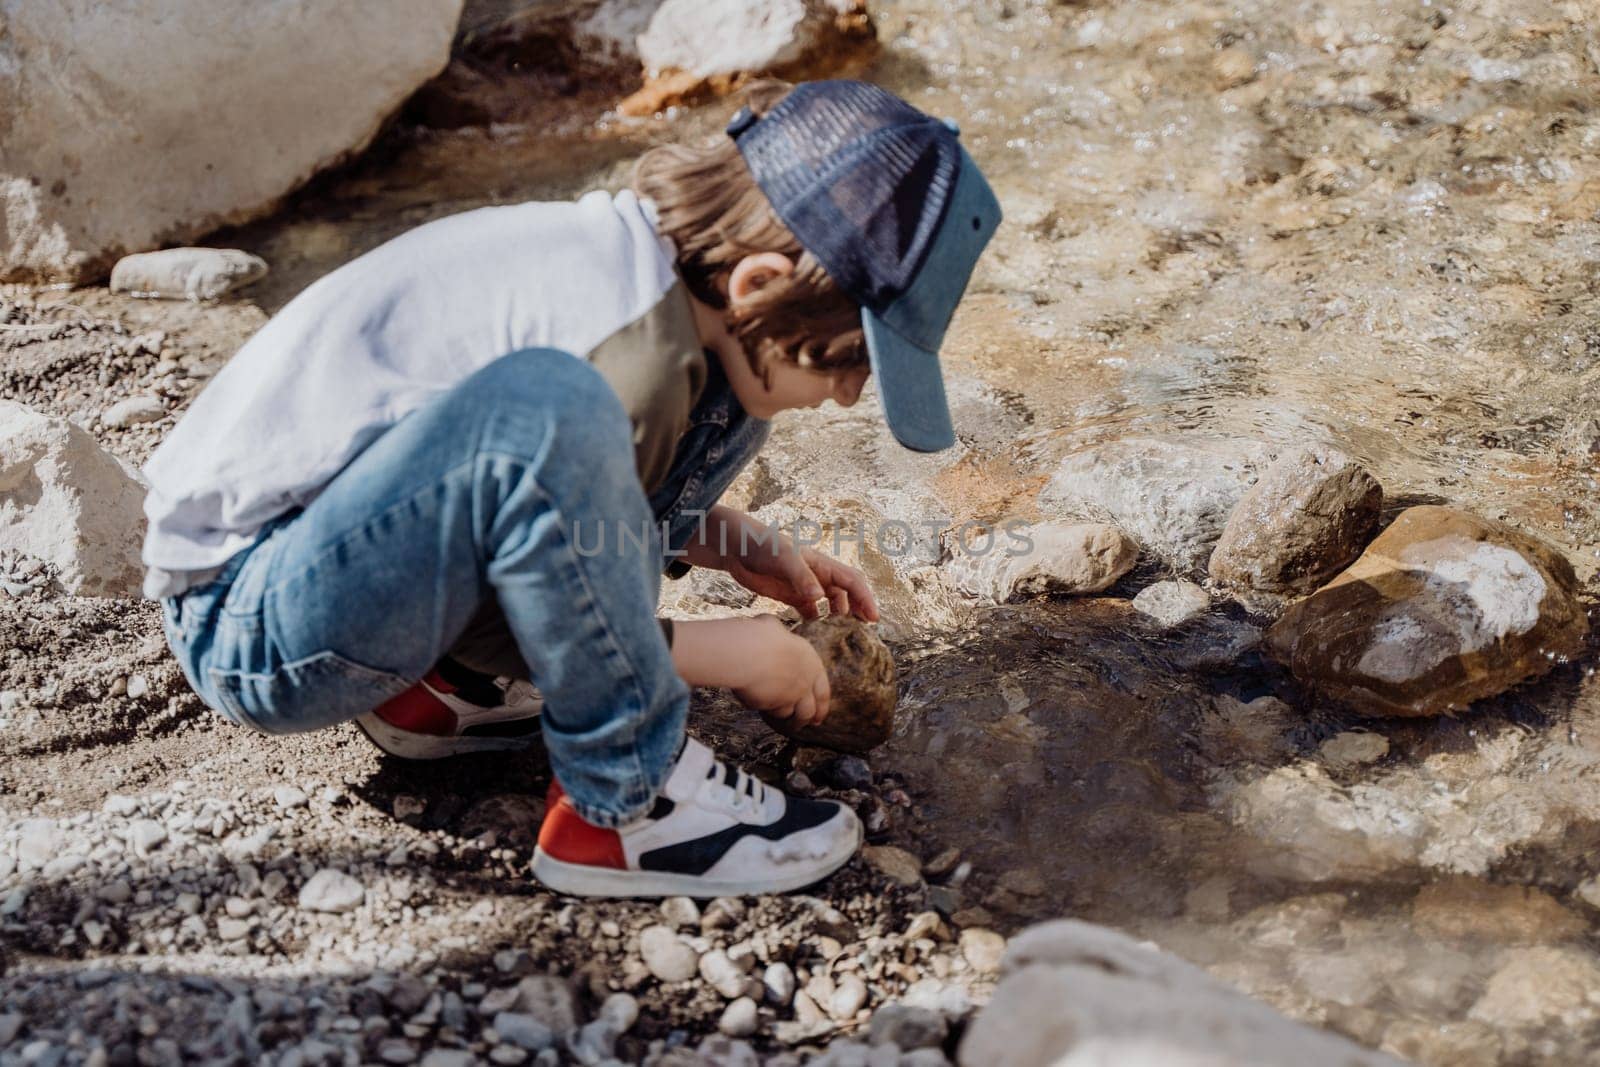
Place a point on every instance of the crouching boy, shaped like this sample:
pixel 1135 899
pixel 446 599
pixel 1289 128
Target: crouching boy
pixel 436 493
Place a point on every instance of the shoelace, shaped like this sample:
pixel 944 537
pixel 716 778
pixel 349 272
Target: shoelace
pixel 519 691
pixel 749 793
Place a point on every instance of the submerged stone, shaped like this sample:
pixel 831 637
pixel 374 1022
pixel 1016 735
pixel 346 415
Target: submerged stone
pixel 861 676
pixel 1172 495
pixel 1046 557
pixel 1443 609
pixel 1309 516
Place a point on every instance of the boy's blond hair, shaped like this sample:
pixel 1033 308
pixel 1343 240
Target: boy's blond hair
pixel 715 213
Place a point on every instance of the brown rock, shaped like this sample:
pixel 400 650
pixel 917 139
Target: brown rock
pixel 1308 517
pixel 861 675
pixel 1443 609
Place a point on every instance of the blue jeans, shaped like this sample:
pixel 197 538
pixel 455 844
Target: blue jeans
pixel 494 492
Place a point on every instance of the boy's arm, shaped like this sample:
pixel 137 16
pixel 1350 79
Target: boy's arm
pixel 767 561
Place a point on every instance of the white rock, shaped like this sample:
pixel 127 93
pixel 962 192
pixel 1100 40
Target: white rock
pixel 1014 560
pixel 79 79
pixel 982 949
pixel 722 974
pixel 288 796
pixel 680 912
pixel 138 686
pixel 186 273
pixel 1171 494
pixel 668 958
pixel 331 890
pixel 1353 748
pixel 65 500
pixel 134 410
pixel 144 835
pixel 1076 993
pixel 1171 604
pixel 711 37
pixel 849 996
pixel 38 840
pixel 779 981
pixel 740 1018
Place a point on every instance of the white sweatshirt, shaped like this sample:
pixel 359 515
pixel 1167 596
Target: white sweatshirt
pixel 383 334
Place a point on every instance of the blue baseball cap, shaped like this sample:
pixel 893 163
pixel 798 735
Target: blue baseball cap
pixel 896 212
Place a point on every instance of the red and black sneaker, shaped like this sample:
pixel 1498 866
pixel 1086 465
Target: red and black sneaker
pixel 454 710
pixel 714 831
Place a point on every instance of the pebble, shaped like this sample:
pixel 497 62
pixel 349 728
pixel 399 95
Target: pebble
pixel 146 834
pixel 550 1000
pixel 10 1027
pixel 1352 748
pixel 779 982
pixel 943 863
pixel 847 772
pixel 498 1000
pixel 396 1050
pixel 622 1010
pixel 982 949
pixel 680 912
pixel 907 1027
pixel 740 1018
pixel 233 929
pixel 135 409
pixel 38 842
pixel 331 890
pixel 669 959
pixel 524 1031
pixel 896 864
pixel 849 996
pixel 806 1011
pixel 138 686
pixel 595 1043
pixel 445 1057
pixel 1173 603
pixel 288 796
pixel 722 974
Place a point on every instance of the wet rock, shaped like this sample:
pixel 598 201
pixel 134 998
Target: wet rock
pixel 1542 986
pixel 186 273
pixel 1467 909
pixel 697 48
pixel 332 891
pixel 1172 495
pixel 1171 604
pixel 1444 608
pixel 740 1018
pixel 861 676
pixel 667 957
pixel 896 864
pixel 68 502
pixel 1321 830
pixel 1353 749
pixel 719 1050
pixel 1309 516
pixel 1074 991
pixel 71 206
pixel 1047 557
pixel 132 411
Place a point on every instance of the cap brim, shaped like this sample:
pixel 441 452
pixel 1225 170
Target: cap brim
pixel 910 387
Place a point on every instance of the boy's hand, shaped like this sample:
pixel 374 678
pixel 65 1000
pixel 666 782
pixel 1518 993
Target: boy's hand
pixel 786 676
pixel 800 577
pixel 768 668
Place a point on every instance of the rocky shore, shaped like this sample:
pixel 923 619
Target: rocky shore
pixel 1284 367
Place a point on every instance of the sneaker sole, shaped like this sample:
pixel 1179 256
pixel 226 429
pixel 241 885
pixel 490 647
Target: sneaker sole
pixel 583 880
pixel 408 744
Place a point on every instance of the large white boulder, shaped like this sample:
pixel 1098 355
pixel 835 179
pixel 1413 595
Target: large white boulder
pixel 69 502
pixel 129 124
pixel 1077 995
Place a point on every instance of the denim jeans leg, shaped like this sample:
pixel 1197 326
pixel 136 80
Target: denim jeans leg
pixel 517 482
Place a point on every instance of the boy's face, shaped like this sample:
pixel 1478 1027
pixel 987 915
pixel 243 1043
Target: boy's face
pixel 787 385
pixel 794 386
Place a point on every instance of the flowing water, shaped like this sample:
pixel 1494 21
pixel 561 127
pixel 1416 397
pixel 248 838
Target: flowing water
pixel 1366 224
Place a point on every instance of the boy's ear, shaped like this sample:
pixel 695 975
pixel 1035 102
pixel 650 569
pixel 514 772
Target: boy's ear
pixel 754 272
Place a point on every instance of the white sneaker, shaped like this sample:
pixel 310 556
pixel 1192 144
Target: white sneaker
pixel 453 710
pixel 715 831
